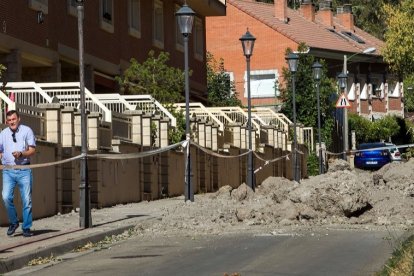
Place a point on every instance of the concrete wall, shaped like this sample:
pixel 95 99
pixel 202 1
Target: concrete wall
pixel 118 181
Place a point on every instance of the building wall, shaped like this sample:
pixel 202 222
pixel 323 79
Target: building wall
pixel 51 47
pixel 223 34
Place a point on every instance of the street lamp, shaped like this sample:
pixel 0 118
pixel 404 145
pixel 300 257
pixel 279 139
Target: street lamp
pixel 369 50
pixel 342 79
pixel 185 18
pixel 85 219
pixel 293 60
pixel 317 75
pixel 247 41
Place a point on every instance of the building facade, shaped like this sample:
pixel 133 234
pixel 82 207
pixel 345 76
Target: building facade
pixel 39 39
pixel 330 36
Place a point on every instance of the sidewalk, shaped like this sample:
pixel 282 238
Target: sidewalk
pixel 61 233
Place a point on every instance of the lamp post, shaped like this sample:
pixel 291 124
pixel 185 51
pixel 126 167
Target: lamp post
pixel 85 219
pixel 185 18
pixel 247 41
pixel 343 78
pixel 293 60
pixel 317 75
pixel 369 50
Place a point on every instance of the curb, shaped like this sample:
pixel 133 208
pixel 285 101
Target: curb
pixel 19 261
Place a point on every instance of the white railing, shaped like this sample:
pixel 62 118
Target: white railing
pixel 148 104
pixel 271 117
pixel 238 115
pixel 307 138
pixel 115 102
pixel 201 112
pixel 68 94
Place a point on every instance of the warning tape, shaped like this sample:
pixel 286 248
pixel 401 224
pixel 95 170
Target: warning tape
pixel 115 156
pixel 138 154
pixel 217 154
pixel 21 167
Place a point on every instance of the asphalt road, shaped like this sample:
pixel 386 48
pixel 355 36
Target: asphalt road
pixel 330 252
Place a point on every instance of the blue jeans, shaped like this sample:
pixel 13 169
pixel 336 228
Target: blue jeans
pixel 23 179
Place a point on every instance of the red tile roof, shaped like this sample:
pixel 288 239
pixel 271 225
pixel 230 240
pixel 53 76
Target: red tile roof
pixel 314 34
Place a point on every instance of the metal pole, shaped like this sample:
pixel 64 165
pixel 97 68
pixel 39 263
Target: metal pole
pixel 189 192
pixel 321 171
pixel 250 181
pixel 85 219
pixel 296 172
pixel 345 111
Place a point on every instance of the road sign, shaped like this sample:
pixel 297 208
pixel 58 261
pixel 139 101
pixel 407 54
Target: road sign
pixel 343 102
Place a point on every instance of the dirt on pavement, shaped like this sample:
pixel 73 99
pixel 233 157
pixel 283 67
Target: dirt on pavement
pixel 342 197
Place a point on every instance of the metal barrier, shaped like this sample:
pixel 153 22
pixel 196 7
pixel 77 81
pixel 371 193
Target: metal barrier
pixel 121 126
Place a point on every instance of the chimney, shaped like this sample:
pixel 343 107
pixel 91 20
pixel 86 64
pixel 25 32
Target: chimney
pixel 345 16
pixel 281 10
pixel 307 10
pixel 325 14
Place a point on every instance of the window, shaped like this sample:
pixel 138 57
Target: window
pixel 39 5
pixel 262 84
pixel 231 82
pixel 377 85
pixel 394 90
pixel 134 13
pixel 198 39
pixel 158 24
pixel 179 38
pixel 353 37
pixel 107 15
pixel 337 34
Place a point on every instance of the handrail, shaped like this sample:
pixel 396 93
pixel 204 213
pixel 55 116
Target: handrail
pixel 136 99
pixel 200 108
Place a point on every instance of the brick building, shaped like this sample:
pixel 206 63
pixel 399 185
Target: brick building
pixel 39 39
pixel 332 37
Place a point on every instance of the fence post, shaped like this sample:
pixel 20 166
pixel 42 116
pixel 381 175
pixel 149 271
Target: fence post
pixel 136 122
pixel 164 123
pixel 93 130
pixel 146 130
pixel 68 126
pixel 53 121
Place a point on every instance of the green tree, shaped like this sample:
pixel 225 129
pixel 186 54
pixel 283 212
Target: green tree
pixel 409 93
pixel 361 126
pixel 154 77
pixel 221 90
pixel 306 99
pixel 165 83
pixel 2 68
pixel 399 45
pixel 367 131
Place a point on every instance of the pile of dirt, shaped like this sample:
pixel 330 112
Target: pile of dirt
pixel 342 196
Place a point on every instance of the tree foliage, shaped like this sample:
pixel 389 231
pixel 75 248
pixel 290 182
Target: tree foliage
pixel 367 131
pixel 306 99
pixel 165 83
pixel 154 77
pixel 2 68
pixel 409 92
pixel 221 90
pixel 399 46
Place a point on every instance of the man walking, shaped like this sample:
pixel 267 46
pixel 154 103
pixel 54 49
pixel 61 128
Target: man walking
pixel 17 144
